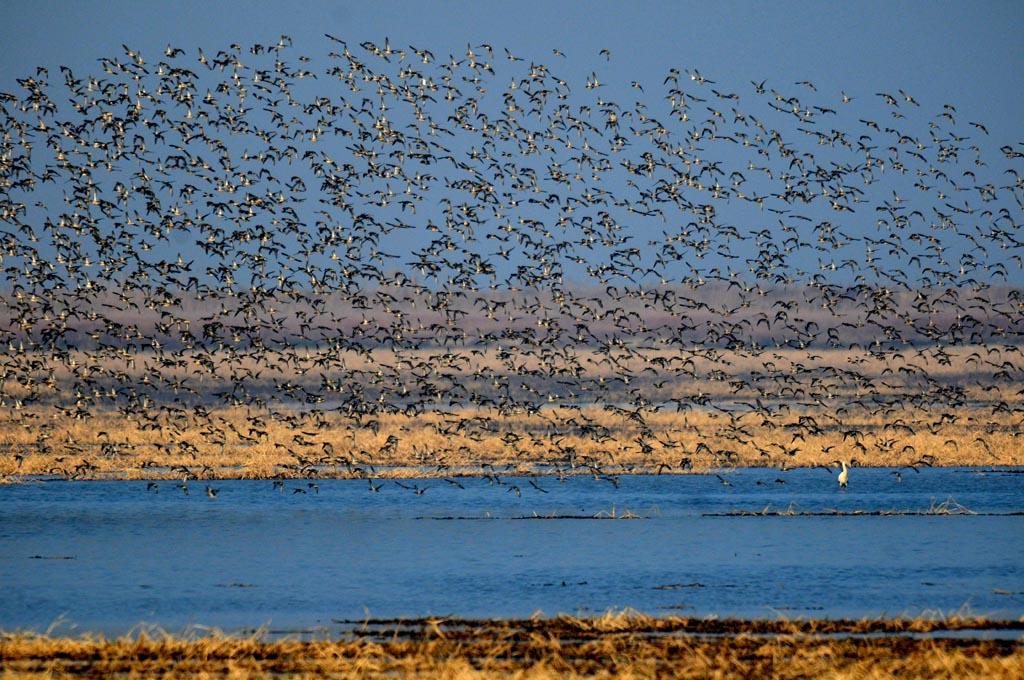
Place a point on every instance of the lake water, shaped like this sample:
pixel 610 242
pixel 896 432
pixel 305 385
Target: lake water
pixel 106 556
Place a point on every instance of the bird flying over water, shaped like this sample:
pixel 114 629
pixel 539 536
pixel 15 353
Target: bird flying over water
pixel 325 245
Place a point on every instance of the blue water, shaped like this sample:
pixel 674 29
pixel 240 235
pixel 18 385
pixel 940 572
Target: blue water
pixel 106 556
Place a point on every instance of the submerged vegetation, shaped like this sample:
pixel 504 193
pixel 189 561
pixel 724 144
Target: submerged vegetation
pixel 946 507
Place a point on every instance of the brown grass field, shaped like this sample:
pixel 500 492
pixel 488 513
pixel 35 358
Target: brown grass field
pixel 225 443
pixel 623 645
pixel 784 408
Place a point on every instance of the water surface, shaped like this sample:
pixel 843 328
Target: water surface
pixel 105 556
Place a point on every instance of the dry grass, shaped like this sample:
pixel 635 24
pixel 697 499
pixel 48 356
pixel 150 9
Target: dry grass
pixel 701 409
pixel 623 645
pixel 245 443
pixel 250 443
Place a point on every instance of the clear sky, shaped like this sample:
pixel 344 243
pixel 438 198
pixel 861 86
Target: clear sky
pixel 970 53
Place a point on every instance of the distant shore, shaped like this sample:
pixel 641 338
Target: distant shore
pixel 247 443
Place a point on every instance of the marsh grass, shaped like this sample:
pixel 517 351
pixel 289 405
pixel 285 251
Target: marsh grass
pixel 624 644
pixel 784 408
pixel 244 442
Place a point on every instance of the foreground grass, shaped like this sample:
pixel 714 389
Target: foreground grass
pixel 621 645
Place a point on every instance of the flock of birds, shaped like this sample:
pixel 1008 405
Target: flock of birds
pixel 380 229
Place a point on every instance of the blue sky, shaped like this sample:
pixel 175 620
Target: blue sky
pixel 968 53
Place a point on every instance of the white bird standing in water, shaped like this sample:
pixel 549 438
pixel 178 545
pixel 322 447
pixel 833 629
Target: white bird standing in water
pixel 844 476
